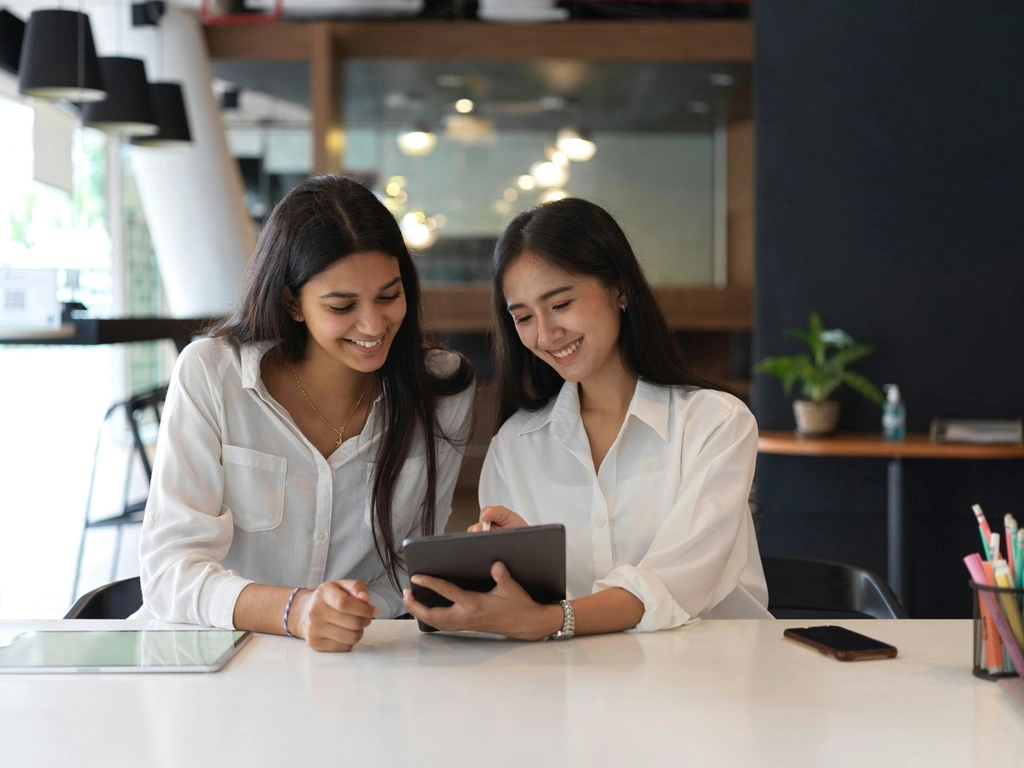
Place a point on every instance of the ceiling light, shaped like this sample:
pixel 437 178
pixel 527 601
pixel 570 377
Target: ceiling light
pixel 464 106
pixel 526 182
pixel 555 155
pixel 721 79
pixel 128 108
pixel 171 118
pixel 549 174
pixel 510 194
pixel 550 195
pixel 416 232
pixel 417 142
pixel 575 144
pixel 58 58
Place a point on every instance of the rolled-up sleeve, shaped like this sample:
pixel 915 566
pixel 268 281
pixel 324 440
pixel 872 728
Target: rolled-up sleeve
pixel 701 549
pixel 186 528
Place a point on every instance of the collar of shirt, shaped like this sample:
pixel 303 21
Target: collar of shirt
pixel 650 404
pixel 252 355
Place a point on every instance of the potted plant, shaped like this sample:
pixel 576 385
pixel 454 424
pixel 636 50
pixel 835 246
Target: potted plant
pixel 820 374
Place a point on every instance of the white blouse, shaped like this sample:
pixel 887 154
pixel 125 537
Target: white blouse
pixel 666 517
pixel 239 495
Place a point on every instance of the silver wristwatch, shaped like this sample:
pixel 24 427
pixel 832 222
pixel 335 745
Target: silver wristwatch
pixel 568 623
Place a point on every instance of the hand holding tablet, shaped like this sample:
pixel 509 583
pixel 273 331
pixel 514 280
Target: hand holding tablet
pixel 502 582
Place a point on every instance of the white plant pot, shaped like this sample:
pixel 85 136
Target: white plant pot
pixel 816 418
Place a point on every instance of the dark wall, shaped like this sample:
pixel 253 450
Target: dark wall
pixel 890 198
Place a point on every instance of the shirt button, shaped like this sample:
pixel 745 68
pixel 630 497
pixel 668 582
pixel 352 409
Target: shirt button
pixel 320 536
pixel 324 470
pixel 600 522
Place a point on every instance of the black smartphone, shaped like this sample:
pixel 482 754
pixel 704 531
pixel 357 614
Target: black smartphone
pixel 841 643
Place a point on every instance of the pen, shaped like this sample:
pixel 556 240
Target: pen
pixel 1020 556
pixel 1010 609
pixel 1012 558
pixel 986 533
pixel 993 548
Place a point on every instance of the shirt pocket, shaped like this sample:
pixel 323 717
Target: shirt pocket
pixel 254 484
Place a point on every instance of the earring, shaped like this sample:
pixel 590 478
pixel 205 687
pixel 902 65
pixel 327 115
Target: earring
pixel 622 307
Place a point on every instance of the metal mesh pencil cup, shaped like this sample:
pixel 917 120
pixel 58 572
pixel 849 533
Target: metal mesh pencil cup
pixel 997 624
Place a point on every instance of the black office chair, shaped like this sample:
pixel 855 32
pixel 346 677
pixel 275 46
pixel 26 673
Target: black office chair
pixel 138 410
pixel 118 600
pixel 806 588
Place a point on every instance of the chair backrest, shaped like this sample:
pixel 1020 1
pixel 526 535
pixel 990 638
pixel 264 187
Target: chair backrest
pixel 118 600
pixel 807 588
pixel 136 408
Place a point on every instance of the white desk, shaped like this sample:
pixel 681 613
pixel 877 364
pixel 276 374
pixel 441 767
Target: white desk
pixel 726 693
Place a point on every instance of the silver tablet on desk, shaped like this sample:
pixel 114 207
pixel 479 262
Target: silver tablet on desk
pixel 130 650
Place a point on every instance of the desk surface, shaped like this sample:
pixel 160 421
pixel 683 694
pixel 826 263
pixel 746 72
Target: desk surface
pixel 723 693
pixel 120 330
pixel 871 445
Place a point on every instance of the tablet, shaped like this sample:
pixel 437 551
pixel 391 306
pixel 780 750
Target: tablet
pixel 131 650
pixel 534 556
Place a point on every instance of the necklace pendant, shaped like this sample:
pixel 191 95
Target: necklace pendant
pixel 341 439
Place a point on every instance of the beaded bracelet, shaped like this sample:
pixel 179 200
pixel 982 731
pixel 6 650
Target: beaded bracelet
pixel 287 610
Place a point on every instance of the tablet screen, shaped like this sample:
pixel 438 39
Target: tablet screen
pixel 163 650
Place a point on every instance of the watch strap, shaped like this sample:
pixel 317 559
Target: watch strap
pixel 568 623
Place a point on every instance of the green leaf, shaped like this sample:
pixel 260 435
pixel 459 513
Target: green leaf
pixel 836 338
pixel 815 328
pixel 862 386
pixel 851 354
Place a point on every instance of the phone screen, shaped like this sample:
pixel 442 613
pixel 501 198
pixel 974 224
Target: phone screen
pixel 844 644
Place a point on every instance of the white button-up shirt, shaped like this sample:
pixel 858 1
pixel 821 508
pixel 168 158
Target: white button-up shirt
pixel 239 495
pixel 666 516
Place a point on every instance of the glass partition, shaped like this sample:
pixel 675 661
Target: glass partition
pixel 456 149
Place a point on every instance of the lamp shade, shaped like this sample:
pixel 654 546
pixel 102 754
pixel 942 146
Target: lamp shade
pixel 169 106
pixel 128 109
pixel 12 32
pixel 58 58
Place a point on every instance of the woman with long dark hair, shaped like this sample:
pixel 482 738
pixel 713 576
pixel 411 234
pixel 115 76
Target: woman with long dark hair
pixel 312 433
pixel 605 429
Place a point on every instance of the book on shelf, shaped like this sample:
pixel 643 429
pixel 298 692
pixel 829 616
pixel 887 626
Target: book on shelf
pixel 982 431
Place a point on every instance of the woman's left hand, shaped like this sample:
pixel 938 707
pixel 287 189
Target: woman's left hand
pixel 506 610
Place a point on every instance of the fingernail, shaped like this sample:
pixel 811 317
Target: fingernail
pixel 406 594
pixel 415 579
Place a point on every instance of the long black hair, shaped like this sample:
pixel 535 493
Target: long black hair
pixel 580 238
pixel 321 221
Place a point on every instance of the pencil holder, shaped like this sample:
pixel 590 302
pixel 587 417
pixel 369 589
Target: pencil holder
pixel 998 632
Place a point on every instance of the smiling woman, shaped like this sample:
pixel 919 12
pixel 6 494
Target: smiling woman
pixel 263 514
pixel 607 432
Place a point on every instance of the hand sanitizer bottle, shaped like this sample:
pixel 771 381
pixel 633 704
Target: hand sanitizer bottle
pixel 894 415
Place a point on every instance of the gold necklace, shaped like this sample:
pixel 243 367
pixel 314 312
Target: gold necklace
pixel 339 432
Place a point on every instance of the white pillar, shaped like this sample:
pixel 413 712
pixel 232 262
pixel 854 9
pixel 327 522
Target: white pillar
pixel 193 197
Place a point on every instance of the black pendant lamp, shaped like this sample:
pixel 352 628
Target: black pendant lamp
pixel 169 107
pixel 12 32
pixel 58 58
pixel 128 108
